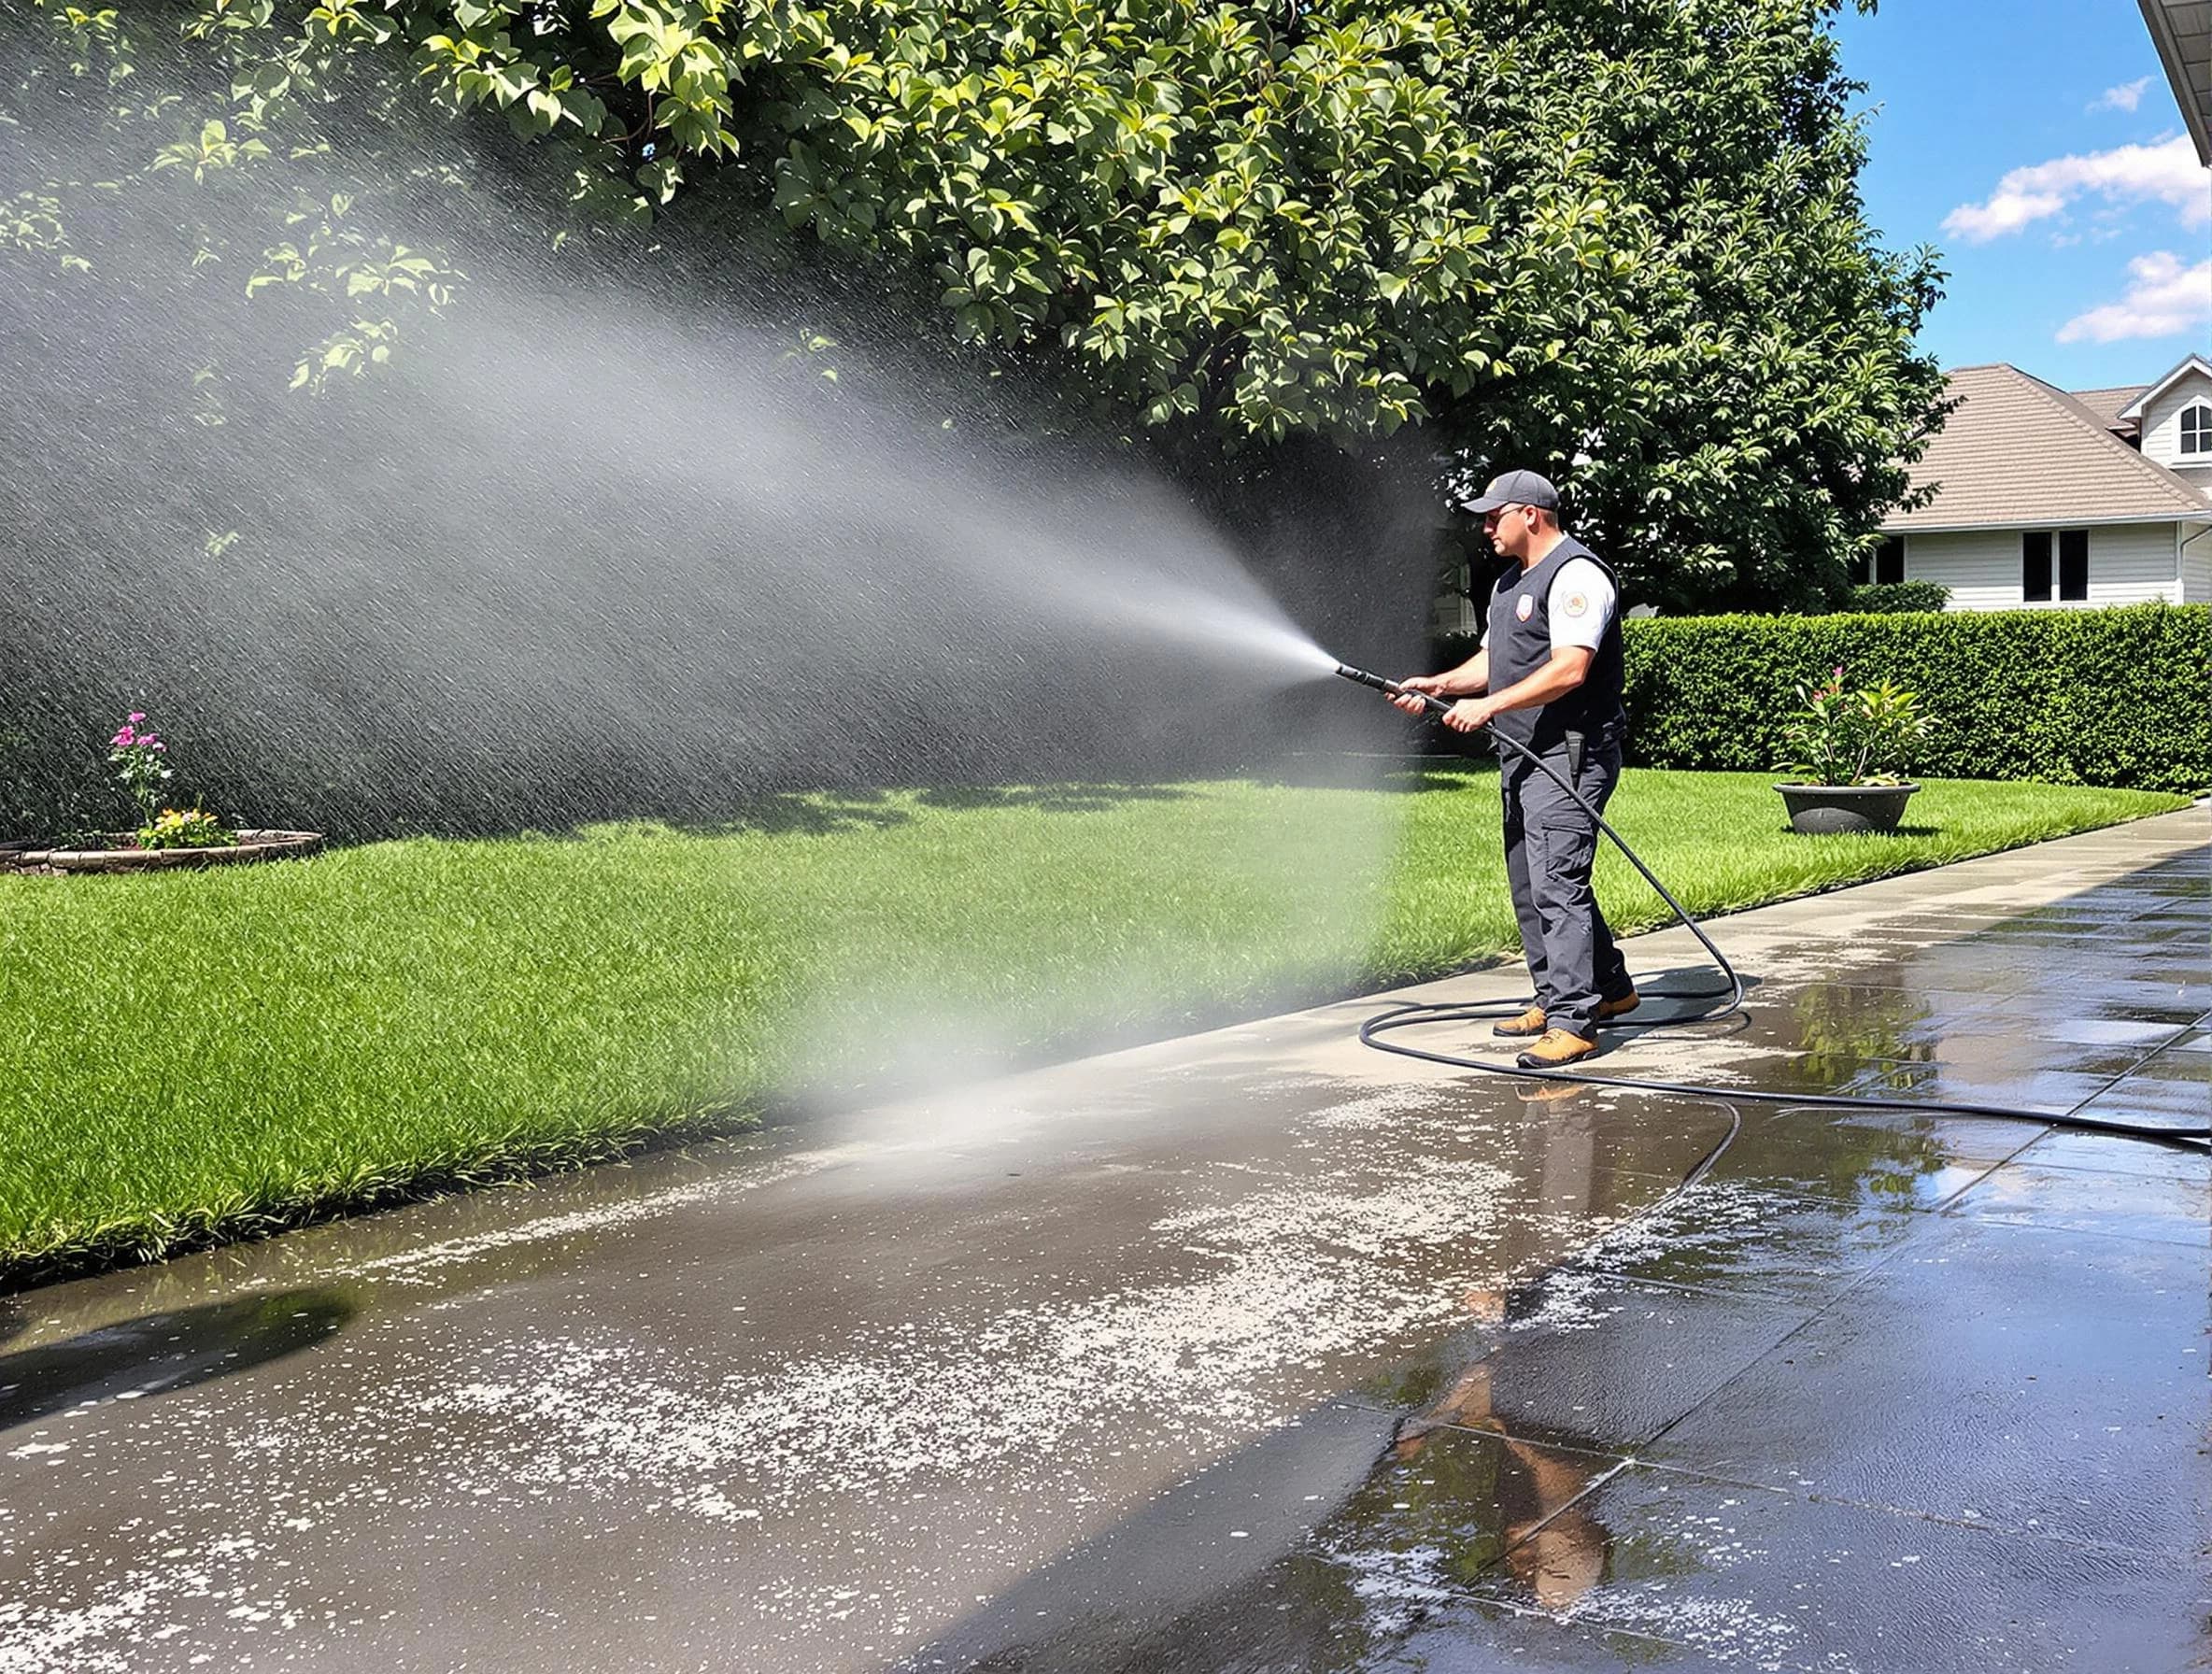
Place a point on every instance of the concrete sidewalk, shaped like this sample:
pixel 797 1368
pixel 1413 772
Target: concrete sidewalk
pixel 1252 1350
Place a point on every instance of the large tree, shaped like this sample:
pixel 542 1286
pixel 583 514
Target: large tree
pixel 1620 240
pixel 1734 433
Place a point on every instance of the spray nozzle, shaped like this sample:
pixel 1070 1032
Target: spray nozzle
pixel 1389 688
pixel 1346 671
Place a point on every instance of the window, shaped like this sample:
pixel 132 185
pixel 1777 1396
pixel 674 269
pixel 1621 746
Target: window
pixel 2072 563
pixel 2035 569
pixel 2196 429
pixel 2035 565
pixel 1884 564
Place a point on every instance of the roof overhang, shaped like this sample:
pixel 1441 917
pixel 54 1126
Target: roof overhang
pixel 2024 523
pixel 2182 30
pixel 2194 363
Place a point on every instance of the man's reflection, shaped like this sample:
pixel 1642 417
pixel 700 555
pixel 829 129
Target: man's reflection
pixel 1553 1546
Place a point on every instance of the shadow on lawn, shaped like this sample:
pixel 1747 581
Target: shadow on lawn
pixel 1399 774
pixel 818 813
pixel 161 1351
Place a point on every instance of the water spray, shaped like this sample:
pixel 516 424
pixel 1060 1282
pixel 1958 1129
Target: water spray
pixel 1708 1005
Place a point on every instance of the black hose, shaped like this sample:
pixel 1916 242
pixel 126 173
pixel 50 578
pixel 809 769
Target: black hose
pixel 1730 999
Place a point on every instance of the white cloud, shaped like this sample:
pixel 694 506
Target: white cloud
pixel 2166 172
pixel 2164 299
pixel 2126 96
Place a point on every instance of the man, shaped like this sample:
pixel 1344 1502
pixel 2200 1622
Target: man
pixel 1549 676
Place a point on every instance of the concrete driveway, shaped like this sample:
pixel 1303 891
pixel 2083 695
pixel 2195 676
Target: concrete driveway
pixel 1256 1350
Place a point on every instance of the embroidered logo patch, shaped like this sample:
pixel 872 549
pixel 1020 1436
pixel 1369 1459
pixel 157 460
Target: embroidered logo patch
pixel 1527 607
pixel 1577 603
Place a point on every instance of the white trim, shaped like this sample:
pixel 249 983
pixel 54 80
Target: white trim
pixel 2135 409
pixel 2168 515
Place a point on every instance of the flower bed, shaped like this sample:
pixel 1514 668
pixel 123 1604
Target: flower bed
pixel 168 838
pixel 127 856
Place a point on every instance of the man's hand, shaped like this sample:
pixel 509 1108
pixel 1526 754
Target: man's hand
pixel 1470 715
pixel 1431 683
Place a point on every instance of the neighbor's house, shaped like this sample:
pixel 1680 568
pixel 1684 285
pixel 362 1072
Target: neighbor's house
pixel 2046 498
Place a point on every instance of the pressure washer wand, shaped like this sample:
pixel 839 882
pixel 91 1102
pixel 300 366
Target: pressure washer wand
pixel 1391 688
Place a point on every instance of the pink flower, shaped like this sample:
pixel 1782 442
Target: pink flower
pixel 1839 676
pixel 139 714
pixel 123 739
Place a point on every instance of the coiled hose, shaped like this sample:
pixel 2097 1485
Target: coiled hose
pixel 1725 1000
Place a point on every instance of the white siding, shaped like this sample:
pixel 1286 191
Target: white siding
pixel 1980 566
pixel 2129 563
pixel 2162 421
pixel 2196 564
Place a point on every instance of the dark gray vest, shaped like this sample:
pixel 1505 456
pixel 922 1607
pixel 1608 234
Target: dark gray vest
pixel 1520 642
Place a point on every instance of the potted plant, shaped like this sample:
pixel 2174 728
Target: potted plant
pixel 1848 751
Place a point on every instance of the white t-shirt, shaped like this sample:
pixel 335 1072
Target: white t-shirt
pixel 1580 603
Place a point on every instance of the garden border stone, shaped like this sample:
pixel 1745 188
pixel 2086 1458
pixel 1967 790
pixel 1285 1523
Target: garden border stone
pixel 253 845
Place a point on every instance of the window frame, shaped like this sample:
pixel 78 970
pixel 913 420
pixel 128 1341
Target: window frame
pixel 2077 540
pixel 2202 412
pixel 2029 591
pixel 2061 582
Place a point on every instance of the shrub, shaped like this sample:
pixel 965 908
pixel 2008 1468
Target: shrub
pixel 1882 598
pixel 1837 736
pixel 2115 697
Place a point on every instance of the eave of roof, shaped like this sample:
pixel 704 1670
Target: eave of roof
pixel 2199 517
pixel 2185 53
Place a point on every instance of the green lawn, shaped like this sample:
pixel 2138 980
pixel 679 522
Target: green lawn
pixel 190 1056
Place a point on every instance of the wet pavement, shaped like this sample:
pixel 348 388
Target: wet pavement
pixel 1256 1351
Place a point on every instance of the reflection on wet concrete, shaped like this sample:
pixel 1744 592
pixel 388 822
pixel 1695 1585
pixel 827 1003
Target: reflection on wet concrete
pixel 158 1352
pixel 1251 1352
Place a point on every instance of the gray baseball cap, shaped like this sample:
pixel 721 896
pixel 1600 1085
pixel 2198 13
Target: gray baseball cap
pixel 1516 487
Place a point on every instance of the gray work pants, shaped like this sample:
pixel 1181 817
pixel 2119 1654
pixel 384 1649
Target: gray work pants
pixel 1551 844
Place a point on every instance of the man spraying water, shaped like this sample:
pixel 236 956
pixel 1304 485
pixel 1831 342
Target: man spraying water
pixel 1548 676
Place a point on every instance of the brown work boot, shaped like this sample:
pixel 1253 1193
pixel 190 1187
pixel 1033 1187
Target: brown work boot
pixel 1557 1049
pixel 1530 1022
pixel 1619 1008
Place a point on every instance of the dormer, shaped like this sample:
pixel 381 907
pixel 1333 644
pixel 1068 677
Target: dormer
pixel 2174 420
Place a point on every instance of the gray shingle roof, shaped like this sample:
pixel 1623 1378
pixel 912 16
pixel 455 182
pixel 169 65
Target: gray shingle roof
pixel 2107 405
pixel 2017 452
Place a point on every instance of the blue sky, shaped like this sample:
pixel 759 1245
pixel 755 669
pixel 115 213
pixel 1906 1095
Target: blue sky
pixel 2037 143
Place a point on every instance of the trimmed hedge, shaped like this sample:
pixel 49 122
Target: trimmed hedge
pixel 2120 697
pixel 1883 597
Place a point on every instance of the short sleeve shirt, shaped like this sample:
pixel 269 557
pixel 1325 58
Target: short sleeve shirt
pixel 1580 603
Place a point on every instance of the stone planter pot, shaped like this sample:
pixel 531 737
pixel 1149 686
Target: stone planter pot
pixel 252 845
pixel 1825 809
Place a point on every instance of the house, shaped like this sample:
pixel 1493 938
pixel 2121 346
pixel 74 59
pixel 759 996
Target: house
pixel 2049 498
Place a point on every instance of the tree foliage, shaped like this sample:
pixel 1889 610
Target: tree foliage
pixel 1617 239
pixel 1734 431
